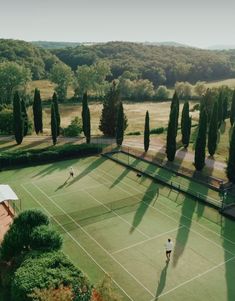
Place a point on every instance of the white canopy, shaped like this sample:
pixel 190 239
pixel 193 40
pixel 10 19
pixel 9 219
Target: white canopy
pixel 7 194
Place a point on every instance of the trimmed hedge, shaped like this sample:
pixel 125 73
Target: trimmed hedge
pixel 45 155
pixel 157 130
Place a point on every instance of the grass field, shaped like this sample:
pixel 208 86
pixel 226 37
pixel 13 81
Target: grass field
pixel 115 222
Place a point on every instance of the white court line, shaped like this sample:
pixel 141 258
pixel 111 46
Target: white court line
pixel 75 240
pixel 73 191
pixel 92 238
pixel 194 278
pixel 146 240
pixel 125 221
pixel 227 239
pixel 172 218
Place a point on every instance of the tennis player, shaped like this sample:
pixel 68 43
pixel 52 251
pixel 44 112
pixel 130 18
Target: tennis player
pixel 169 249
pixel 71 172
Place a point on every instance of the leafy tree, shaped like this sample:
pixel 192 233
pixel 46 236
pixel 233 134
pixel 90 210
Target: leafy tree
pixel 213 131
pixel 62 76
pixel 62 293
pixel 231 158
pixel 74 129
pixel 53 124
pixel 12 77
pixel 232 111
pixel 171 134
pixel 120 125
pixel 37 112
pixel 220 109
pixel 57 112
pixel 200 88
pixel 108 120
pixel 146 132
pixel 162 92
pixel 86 124
pixel 225 108
pixel 45 239
pixel 185 125
pixel 183 89
pixel 18 237
pixel 200 148
pixel 18 119
pixel 25 117
pixel 6 122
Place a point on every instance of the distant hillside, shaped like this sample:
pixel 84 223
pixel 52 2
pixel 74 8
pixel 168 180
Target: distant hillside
pixel 38 60
pixel 159 64
pixel 167 43
pixel 55 45
pixel 222 47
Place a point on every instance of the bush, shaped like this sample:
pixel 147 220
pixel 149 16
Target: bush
pixel 45 239
pixel 48 270
pixel 133 133
pixel 196 107
pixel 162 93
pixel 49 154
pixel 157 130
pixel 74 129
pixel 6 122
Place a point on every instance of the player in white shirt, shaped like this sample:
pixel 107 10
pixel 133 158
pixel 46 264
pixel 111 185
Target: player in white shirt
pixel 169 249
pixel 71 172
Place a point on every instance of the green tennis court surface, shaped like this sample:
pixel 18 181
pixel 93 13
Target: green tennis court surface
pixel 115 222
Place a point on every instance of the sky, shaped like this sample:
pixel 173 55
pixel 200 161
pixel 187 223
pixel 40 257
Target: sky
pixel 197 23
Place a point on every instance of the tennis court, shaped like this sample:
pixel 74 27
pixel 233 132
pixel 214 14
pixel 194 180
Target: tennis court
pixel 114 222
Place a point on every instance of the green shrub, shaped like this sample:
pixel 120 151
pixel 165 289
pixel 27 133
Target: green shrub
pixel 48 270
pixel 133 133
pixel 6 122
pixel 157 130
pixel 45 239
pixel 49 154
pixel 74 129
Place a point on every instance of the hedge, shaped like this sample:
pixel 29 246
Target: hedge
pixel 46 155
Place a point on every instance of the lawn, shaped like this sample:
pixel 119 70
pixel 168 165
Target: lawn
pixel 115 222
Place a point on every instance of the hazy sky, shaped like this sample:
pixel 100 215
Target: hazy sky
pixel 198 23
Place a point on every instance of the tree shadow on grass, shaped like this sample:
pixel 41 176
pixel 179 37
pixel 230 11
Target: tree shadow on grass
pixel 161 282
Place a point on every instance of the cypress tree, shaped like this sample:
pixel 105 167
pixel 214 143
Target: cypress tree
pixel 175 102
pixel 53 123
pixel 37 112
pixel 171 135
pixel 57 112
pixel 220 109
pixel 225 108
pixel 232 111
pixel 120 125
pixel 213 131
pixel 18 119
pixel 108 120
pixel 200 147
pixel 25 117
pixel 231 159
pixel 86 123
pixel 146 132
pixel 88 126
pixel 185 125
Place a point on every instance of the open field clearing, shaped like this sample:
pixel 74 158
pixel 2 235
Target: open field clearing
pixel 115 222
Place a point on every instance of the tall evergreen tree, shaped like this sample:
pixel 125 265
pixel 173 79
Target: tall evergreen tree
pixel 18 119
pixel 220 109
pixel 86 123
pixel 37 112
pixel 175 102
pixel 88 126
pixel 200 148
pixel 120 125
pixel 185 125
pixel 53 123
pixel 232 111
pixel 231 159
pixel 57 112
pixel 225 108
pixel 213 131
pixel 108 120
pixel 146 132
pixel 171 134
pixel 25 117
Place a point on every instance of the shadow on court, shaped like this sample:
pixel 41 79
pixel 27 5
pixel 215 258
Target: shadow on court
pixel 91 167
pixel 162 281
